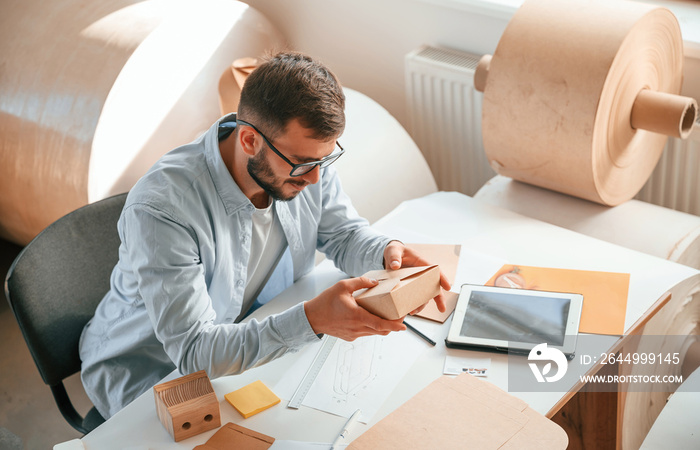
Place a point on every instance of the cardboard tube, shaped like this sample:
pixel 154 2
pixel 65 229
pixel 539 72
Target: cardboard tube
pixel 668 114
pixel 482 72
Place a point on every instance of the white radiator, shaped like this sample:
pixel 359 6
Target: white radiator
pixel 445 122
pixel 445 117
pixel 675 182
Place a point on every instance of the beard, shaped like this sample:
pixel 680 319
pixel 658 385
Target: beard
pixel 259 170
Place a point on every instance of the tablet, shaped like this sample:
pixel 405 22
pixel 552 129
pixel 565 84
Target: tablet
pixel 514 320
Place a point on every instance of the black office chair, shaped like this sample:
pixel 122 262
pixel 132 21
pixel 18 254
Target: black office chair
pixel 54 286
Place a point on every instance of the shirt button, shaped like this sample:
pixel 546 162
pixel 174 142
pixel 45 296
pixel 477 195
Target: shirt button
pixel 239 283
pixel 244 238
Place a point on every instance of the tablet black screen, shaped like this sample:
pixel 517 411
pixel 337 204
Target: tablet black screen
pixel 512 317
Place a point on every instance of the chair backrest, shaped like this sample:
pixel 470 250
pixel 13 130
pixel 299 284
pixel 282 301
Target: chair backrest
pixel 57 280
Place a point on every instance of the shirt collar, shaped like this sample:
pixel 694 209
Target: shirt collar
pixel 229 192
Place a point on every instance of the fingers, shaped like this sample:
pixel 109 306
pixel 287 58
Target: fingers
pixel 417 310
pixel 413 259
pixel 409 258
pixel 444 282
pixel 370 326
pixel 354 284
pixel 375 323
pixel 379 325
pixel 336 312
pixel 440 303
pixel 393 255
pixel 367 332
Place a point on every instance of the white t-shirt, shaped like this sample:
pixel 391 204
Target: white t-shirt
pixel 266 246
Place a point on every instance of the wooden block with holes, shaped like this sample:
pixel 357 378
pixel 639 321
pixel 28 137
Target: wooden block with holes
pixel 187 405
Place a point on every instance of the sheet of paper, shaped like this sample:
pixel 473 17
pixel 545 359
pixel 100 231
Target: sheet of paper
pixel 455 365
pixel 475 268
pixel 604 293
pixel 359 374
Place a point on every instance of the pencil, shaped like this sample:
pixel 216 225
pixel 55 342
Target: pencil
pixel 415 330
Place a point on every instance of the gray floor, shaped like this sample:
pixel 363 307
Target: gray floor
pixel 29 418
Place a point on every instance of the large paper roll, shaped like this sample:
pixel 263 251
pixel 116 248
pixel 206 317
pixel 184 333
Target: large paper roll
pixel 92 94
pixel 673 329
pixel 579 97
pixel 638 225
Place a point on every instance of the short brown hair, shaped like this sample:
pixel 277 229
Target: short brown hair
pixel 289 86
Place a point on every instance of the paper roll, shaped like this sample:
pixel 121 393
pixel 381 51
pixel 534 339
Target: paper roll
pixel 673 329
pixel 92 96
pixel 561 87
pixel 638 225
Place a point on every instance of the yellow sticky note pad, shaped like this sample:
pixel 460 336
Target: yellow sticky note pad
pixel 251 399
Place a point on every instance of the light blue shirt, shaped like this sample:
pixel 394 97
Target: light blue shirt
pixel 178 286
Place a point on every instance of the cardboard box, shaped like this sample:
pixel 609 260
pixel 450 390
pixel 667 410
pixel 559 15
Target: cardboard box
pixel 400 291
pixel 463 413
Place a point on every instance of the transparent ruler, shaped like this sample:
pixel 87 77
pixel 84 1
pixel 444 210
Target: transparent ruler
pixel 312 372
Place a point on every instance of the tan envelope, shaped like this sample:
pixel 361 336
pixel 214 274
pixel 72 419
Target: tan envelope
pixel 233 437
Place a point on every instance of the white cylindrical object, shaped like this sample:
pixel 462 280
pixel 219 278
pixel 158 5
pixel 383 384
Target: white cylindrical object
pixel 375 140
pixel 94 93
pixel 638 225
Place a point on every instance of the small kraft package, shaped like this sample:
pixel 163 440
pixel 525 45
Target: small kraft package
pixel 400 291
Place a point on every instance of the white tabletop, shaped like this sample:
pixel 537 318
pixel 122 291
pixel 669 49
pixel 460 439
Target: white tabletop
pixel 445 217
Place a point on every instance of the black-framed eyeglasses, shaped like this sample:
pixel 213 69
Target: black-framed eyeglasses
pixel 303 168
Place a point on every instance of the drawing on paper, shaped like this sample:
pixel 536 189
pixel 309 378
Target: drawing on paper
pixel 356 368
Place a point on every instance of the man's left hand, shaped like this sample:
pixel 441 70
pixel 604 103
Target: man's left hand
pixel 397 255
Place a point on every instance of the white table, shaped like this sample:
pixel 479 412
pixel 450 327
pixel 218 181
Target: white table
pixel 444 217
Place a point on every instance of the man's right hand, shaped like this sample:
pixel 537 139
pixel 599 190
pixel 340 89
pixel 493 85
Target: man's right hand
pixel 335 312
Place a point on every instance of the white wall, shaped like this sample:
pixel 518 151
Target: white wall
pixel 364 41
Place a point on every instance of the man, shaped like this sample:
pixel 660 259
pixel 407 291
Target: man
pixel 233 217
